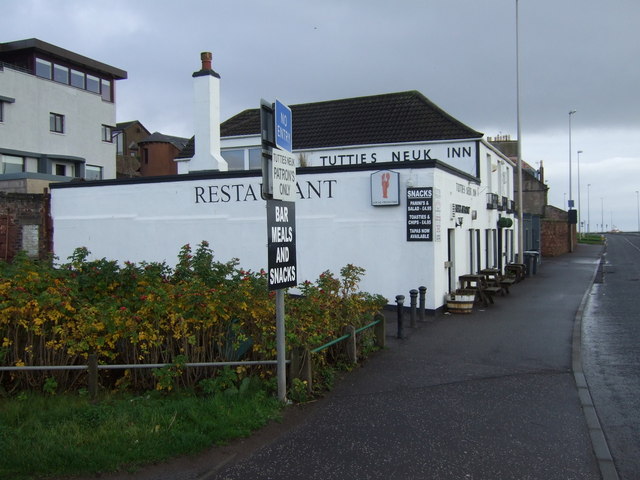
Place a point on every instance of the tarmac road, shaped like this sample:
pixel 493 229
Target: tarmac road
pixel 489 395
pixel 611 353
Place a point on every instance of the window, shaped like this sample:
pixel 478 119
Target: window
pixel 107 133
pixel 255 158
pixel 64 169
pixel 56 122
pixel 1 111
pixel 92 172
pixel 77 79
pixel 31 164
pixel 61 74
pixel 488 259
pixel 11 164
pixel 235 159
pixel 472 252
pixel 93 84
pixel 106 90
pixel 120 143
pixel 43 68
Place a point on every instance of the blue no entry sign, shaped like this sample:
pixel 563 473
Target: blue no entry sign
pixel 283 126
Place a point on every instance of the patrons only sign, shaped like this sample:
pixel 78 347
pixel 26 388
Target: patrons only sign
pixel 281 227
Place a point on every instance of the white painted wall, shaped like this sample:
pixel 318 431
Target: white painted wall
pixel 26 125
pixel 336 224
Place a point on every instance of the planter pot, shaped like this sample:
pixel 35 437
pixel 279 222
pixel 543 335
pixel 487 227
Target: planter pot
pixel 460 303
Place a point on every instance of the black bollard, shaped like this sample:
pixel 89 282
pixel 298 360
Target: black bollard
pixel 423 302
pixel 413 294
pixel 400 312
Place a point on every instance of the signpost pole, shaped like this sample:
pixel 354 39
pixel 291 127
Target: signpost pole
pixel 280 347
pixel 279 183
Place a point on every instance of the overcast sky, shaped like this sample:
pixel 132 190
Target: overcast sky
pixel 574 55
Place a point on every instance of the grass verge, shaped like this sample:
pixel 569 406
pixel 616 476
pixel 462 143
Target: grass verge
pixel 591 239
pixel 43 436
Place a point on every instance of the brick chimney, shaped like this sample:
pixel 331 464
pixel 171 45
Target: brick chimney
pixel 206 107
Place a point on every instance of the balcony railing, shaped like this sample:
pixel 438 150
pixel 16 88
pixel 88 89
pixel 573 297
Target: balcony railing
pixel 492 201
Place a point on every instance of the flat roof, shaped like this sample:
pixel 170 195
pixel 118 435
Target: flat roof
pixel 33 44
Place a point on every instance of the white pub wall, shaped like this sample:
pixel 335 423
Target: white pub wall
pixel 336 223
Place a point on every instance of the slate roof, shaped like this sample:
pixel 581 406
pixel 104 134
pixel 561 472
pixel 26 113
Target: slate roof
pixel 157 137
pixel 189 149
pixel 388 118
pixel 125 125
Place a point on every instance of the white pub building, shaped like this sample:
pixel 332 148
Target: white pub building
pixel 390 183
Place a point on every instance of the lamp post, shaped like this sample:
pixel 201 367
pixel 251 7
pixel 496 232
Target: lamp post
pixel 638 203
pixel 602 214
pixel 519 146
pixel 571 113
pixel 579 210
pixel 589 209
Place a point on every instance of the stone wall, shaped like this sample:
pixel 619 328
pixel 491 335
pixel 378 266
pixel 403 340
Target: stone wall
pixel 554 232
pixel 25 224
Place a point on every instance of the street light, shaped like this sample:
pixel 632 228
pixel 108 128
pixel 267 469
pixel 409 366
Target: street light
pixel 602 213
pixel 579 210
pixel 589 209
pixel 638 202
pixel 519 146
pixel 571 113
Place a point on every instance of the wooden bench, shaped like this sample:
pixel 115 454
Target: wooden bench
pixel 477 284
pixel 506 282
pixel 516 270
pixel 492 282
pixel 492 291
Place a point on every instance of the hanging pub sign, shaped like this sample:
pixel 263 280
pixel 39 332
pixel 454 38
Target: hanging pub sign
pixel 281 244
pixel 420 214
pixel 385 188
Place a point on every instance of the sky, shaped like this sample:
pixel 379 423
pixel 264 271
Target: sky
pixel 577 55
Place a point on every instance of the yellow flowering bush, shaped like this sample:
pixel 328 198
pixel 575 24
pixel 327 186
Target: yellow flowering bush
pixel 202 310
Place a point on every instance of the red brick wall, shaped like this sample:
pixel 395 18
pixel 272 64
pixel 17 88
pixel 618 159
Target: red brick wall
pixel 554 237
pixel 158 159
pixel 24 220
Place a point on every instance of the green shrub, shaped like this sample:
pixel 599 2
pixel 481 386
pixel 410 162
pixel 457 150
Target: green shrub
pixel 200 311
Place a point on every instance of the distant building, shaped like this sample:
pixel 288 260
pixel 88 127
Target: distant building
pixel 158 152
pixel 546 228
pixel 127 135
pixel 57 116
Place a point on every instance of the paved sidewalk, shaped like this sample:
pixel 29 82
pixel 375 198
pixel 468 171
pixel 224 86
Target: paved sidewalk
pixel 489 395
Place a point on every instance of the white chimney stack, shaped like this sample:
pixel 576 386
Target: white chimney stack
pixel 206 97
